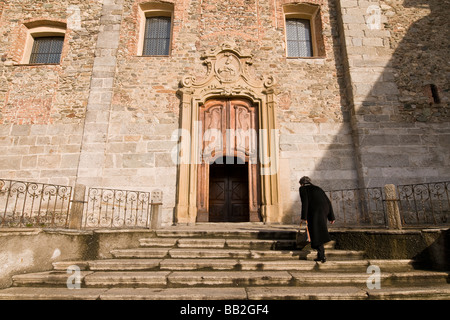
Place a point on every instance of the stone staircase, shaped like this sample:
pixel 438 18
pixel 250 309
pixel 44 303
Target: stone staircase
pixel 232 265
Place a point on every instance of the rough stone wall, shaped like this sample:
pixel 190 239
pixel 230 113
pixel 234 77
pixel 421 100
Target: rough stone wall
pixel 401 138
pixel 358 115
pixel 42 108
pixel 315 136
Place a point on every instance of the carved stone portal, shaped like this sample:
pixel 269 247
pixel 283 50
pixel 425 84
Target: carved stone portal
pixel 229 113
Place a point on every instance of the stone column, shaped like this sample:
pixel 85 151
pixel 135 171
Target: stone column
pixel 77 207
pixel 393 213
pixel 96 125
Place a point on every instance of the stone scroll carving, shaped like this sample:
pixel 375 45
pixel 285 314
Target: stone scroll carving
pixel 229 72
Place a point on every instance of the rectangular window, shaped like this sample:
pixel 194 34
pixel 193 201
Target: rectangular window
pixel 157 36
pixel 299 42
pixel 47 50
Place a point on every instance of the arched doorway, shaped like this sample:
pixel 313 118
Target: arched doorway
pixel 230 75
pixel 228 179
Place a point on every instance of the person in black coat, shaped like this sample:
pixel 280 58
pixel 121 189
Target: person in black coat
pixel 316 210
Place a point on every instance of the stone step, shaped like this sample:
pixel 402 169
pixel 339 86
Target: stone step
pixel 64 265
pixel 339 255
pixel 303 278
pixel 348 293
pixel 230 278
pixel 48 278
pixel 228 293
pixel 218 243
pixel 236 265
pixel 141 253
pixel 124 264
pixel 174 264
pixel 244 233
pixel 44 293
pixel 386 278
pixel 127 279
pixel 193 253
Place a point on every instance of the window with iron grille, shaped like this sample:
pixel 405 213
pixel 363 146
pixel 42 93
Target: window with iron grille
pixel 157 36
pixel 47 50
pixel 298 34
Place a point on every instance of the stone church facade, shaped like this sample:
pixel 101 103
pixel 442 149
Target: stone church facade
pixel 235 97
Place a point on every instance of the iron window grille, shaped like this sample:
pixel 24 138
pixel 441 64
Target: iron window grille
pixel 157 36
pixel 47 50
pixel 299 42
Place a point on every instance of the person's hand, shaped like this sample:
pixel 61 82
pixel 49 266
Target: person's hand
pixel 332 222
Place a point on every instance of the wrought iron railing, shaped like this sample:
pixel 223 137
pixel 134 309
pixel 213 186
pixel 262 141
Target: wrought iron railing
pixel 425 203
pixel 28 204
pixel 112 208
pixel 358 207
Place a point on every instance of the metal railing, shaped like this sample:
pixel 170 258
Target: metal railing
pixel 418 204
pixel 358 207
pixel 113 208
pixel 425 203
pixel 28 204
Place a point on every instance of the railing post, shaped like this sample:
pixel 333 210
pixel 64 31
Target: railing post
pixel 393 213
pixel 156 209
pixel 77 207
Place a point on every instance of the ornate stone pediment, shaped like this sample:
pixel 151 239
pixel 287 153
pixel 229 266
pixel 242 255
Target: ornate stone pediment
pixel 229 72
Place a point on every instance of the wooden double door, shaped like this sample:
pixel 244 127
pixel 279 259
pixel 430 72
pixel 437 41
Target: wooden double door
pixel 228 193
pixel 228 181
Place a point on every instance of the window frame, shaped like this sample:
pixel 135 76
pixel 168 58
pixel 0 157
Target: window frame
pixel 147 38
pixel 41 32
pixel 311 13
pixel 149 10
pixel 304 42
pixel 39 54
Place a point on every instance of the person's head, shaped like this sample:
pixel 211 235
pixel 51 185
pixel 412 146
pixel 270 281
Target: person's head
pixel 305 180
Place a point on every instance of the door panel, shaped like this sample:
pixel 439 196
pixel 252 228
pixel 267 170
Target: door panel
pixel 229 129
pixel 228 193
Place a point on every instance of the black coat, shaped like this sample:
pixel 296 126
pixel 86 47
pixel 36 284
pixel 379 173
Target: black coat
pixel 316 209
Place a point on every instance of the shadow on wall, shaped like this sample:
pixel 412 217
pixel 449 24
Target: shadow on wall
pixel 402 123
pixel 400 119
